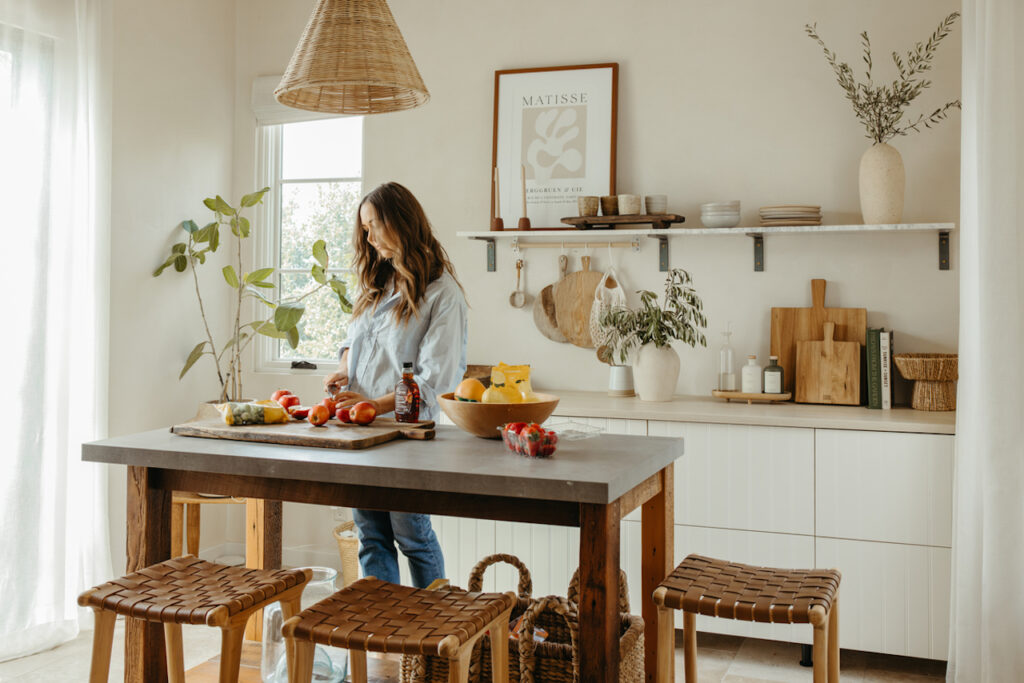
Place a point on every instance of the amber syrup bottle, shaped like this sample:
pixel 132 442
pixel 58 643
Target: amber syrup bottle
pixel 407 397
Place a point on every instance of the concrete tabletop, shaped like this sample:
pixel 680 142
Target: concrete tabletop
pixel 594 470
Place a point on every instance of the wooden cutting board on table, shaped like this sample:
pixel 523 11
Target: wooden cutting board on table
pixel 792 325
pixel 574 299
pixel 334 434
pixel 828 371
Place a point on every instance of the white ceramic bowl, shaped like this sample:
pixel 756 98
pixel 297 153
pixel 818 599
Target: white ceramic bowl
pixel 716 206
pixel 720 221
pixel 723 212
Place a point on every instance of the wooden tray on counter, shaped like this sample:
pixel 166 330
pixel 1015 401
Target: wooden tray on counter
pixel 751 398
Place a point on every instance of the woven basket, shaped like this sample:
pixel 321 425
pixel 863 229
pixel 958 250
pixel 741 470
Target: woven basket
pixel 554 659
pixel 348 548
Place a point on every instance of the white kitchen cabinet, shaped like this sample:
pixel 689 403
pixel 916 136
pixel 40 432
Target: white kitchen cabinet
pixel 743 477
pixel 894 597
pixel 877 486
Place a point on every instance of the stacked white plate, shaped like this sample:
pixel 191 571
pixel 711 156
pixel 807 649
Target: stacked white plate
pixel 720 214
pixel 791 214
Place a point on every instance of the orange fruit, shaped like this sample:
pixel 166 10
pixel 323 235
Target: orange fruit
pixel 469 389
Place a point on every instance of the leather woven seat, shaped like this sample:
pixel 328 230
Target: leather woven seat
pixel 374 615
pixel 716 588
pixel 187 590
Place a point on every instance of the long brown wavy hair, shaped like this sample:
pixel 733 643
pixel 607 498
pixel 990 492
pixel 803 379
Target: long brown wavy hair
pixel 419 258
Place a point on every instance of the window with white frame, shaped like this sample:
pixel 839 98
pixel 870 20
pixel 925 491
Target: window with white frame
pixel 314 172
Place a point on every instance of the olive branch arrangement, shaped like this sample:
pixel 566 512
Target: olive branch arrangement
pixel 282 323
pixel 680 318
pixel 880 107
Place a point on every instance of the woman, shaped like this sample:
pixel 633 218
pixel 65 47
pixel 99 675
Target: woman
pixel 410 307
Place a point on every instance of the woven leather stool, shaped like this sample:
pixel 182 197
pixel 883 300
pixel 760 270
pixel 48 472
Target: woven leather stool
pixel 187 590
pixel 374 615
pixel 716 588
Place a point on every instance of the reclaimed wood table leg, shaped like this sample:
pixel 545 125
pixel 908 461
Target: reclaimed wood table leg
pixel 149 542
pixel 599 591
pixel 262 547
pixel 657 536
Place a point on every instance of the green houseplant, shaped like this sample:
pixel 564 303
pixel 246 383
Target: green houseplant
pixel 880 107
pixel 282 316
pixel 650 330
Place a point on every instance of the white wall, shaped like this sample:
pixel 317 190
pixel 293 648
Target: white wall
pixel 717 100
pixel 172 141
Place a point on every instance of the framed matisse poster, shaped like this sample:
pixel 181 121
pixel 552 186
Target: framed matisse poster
pixel 554 140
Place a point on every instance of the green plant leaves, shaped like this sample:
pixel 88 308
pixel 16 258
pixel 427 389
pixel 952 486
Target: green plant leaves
pixel 267 329
pixel 319 274
pixel 258 275
pixel 189 226
pixel 287 316
pixel 180 263
pixel 254 198
pixel 230 276
pixel 320 252
pixel 293 337
pixel 341 290
pixel 196 354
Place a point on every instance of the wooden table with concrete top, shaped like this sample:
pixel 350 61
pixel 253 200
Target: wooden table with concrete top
pixel 589 483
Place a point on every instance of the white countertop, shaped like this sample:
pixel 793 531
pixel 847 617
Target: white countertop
pixel 718 411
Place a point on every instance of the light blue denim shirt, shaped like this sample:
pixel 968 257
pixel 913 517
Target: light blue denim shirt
pixel 435 342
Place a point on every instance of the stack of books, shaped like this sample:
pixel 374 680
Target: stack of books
pixel 879 368
pixel 791 214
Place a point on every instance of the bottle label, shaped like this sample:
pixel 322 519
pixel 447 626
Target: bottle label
pixel 772 383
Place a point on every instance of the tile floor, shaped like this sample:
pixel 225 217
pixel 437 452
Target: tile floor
pixel 721 659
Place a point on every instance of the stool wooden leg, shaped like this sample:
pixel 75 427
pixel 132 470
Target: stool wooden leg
pixel 499 649
pixel 177 524
pixel 192 528
pixel 356 660
pixel 458 667
pixel 175 653
pixel 231 651
pixel 833 642
pixel 666 644
pixel 820 652
pixel 690 646
pixel 102 642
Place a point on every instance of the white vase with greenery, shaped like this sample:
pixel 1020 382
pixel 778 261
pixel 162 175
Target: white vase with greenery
pixel 880 107
pixel 651 329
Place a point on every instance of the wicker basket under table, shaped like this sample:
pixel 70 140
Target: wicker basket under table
pixel 554 660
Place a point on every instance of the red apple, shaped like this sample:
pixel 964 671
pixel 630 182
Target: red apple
pixel 318 415
pixel 331 406
pixel 289 400
pixel 342 413
pixel 362 413
pixel 276 396
pixel 298 412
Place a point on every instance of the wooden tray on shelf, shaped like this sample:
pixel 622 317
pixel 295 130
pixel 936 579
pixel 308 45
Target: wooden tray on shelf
pixel 751 398
pixel 659 221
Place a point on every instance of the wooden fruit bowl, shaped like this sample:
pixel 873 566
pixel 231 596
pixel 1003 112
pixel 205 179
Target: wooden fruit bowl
pixel 933 375
pixel 484 419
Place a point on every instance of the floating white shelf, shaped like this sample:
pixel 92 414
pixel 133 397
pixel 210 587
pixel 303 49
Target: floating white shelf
pixel 578 238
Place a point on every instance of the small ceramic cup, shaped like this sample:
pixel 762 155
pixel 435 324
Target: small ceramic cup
pixel 656 204
pixel 610 205
pixel 629 204
pixel 587 205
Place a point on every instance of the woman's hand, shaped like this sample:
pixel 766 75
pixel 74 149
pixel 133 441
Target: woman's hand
pixel 335 381
pixel 383 405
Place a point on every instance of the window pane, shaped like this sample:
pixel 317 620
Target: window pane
pixel 331 148
pixel 314 211
pixel 323 326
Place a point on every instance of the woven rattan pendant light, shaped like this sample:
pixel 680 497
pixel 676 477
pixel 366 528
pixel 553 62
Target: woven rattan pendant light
pixel 352 59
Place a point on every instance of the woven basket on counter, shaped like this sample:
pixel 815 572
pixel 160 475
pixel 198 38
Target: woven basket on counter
pixel 555 659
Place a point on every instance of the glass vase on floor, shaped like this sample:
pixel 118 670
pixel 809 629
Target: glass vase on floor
pixel 330 665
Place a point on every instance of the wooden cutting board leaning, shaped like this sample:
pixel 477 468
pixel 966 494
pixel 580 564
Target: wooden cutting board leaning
pixel 828 371
pixel 792 325
pixel 574 299
pixel 300 433
pixel 544 306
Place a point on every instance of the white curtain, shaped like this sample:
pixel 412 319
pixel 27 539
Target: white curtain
pixel 987 620
pixel 54 209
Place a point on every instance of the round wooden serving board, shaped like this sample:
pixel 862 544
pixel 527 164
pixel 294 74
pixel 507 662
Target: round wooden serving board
pixel 574 299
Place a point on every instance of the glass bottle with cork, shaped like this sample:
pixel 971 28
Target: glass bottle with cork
pixel 407 396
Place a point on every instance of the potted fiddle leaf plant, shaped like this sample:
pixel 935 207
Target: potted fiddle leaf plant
pixel 281 317
pixel 650 330
pixel 880 108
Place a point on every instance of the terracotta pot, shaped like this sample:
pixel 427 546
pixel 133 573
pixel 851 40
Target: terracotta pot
pixel 882 184
pixel 655 371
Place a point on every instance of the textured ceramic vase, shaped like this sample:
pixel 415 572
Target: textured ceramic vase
pixel 655 371
pixel 882 182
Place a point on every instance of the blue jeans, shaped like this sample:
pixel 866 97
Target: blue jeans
pixel 379 532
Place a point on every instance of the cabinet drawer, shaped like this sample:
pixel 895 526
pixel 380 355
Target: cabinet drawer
pixel 894 598
pixel 743 477
pixel 884 486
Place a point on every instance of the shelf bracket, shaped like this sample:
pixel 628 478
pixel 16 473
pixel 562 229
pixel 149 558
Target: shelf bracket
pixel 943 250
pixel 758 251
pixel 491 259
pixel 662 252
